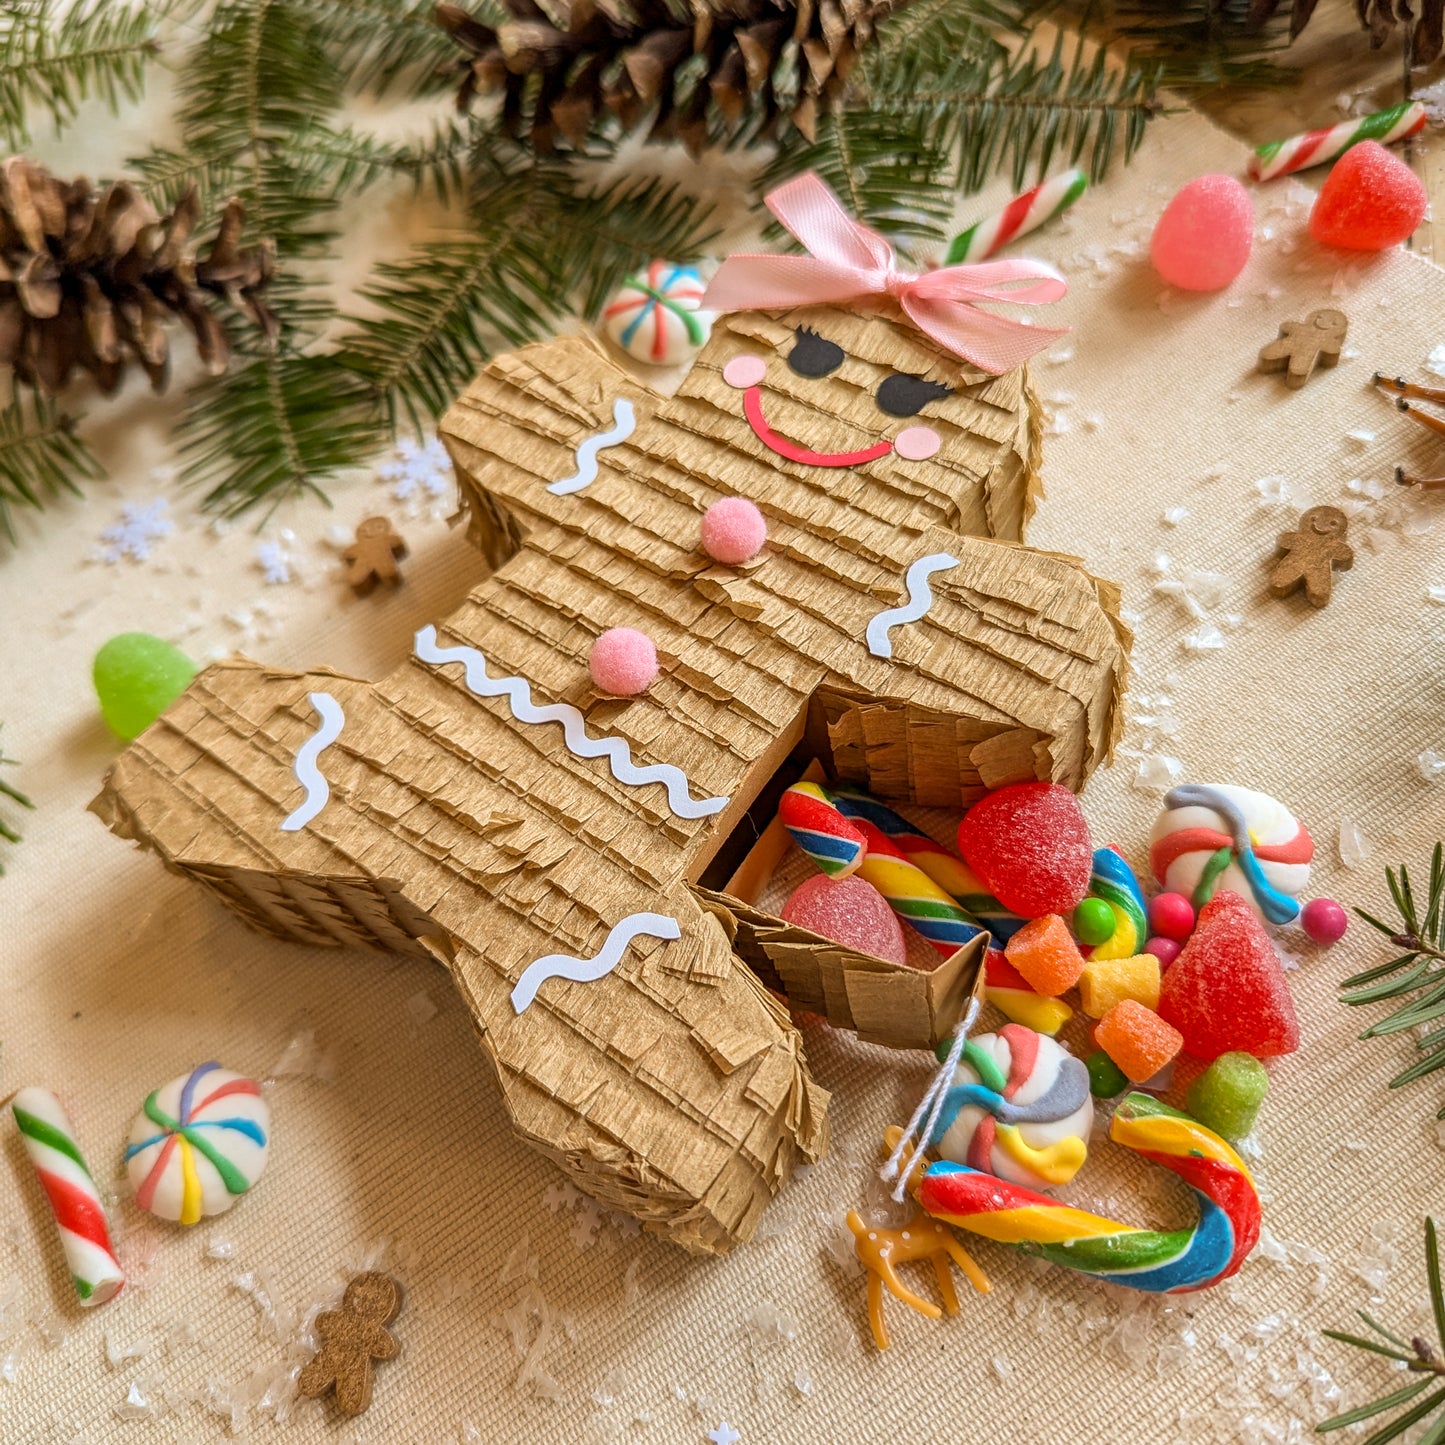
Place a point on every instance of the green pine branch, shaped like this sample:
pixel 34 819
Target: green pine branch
pixel 7 831
pixel 40 456
pixel 1416 974
pixel 383 45
pixel 1415 1357
pixel 538 236
pixel 54 56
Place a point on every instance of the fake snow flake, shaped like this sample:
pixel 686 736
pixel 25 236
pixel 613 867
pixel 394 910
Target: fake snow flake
pixel 1205 638
pixel 219 1247
pixel 303 1059
pixel 140 525
pixel 1360 437
pixel 274 563
pixel 1435 362
pixel 139 1403
pixel 724 1435
pixel 1157 773
pixel 1273 491
pixel 421 1008
pixel 417 470
pixel 1354 846
pixel 1173 516
pixel 1431 766
pixel 1435 594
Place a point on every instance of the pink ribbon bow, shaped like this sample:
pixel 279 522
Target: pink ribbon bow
pixel 846 261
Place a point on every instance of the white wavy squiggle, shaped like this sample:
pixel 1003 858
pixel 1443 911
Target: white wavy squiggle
pixel 589 970
pixel 625 421
pixel 318 790
pixel 920 599
pixel 574 730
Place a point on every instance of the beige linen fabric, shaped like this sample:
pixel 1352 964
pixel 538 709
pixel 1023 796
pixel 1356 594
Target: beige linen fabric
pixel 527 1316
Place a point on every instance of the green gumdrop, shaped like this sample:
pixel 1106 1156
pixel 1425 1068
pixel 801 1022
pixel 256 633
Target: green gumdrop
pixel 1093 922
pixel 1106 1079
pixel 137 677
pixel 1227 1095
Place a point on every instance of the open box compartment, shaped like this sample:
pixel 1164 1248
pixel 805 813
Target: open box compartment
pixel 885 1003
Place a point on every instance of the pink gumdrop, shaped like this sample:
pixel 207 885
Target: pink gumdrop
pixel 1171 915
pixel 733 531
pixel 1324 920
pixel 1166 950
pixel 745 371
pixel 851 912
pixel 1203 239
pixel 1370 200
pixel 623 661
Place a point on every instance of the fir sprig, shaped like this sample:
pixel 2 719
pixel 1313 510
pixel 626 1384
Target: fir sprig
pixel 1417 973
pixel 40 456
pixel 7 831
pixel 54 56
pixel 1417 1356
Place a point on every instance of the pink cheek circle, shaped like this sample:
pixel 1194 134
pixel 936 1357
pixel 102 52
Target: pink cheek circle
pixel 745 371
pixel 916 443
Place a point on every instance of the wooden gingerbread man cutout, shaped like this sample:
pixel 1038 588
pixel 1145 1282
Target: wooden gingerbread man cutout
pixel 482 807
pixel 351 1338
pixel 1309 556
pixel 1301 345
pixel 372 558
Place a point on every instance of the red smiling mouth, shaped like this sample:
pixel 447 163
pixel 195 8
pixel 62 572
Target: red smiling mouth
pixel 793 451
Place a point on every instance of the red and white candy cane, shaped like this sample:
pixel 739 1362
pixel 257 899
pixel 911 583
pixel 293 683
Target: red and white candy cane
pixel 1315 147
pixel 74 1200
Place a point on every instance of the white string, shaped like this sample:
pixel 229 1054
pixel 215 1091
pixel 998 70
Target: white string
pixel 931 1104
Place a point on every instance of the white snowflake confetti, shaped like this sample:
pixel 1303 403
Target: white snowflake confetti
pixel 1157 773
pixel 724 1435
pixel 1435 362
pixel 1273 491
pixel 140 525
pixel 1431 765
pixel 1173 516
pixel 417 470
pixel 1354 846
pixel 1435 594
pixel 273 561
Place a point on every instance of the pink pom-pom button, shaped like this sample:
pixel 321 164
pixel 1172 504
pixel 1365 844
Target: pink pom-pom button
pixel 623 662
pixel 733 531
pixel 1324 921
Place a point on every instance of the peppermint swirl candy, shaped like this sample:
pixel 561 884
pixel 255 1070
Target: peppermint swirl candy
pixel 1212 837
pixel 199 1143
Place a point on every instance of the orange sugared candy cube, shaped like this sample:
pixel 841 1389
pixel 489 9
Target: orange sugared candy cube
pixel 1137 1039
pixel 1045 953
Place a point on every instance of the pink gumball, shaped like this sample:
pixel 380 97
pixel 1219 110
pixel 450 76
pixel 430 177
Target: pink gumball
pixel 1166 950
pixel 1171 915
pixel 733 531
pixel 1324 921
pixel 623 662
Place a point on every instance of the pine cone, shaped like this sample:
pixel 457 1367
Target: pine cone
pixel 90 280
pixel 703 69
pixel 1426 20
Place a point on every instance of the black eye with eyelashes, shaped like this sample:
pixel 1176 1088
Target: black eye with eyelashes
pixel 903 395
pixel 813 355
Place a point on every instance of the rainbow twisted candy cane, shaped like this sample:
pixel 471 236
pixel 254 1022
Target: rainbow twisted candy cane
pixel 1113 880
pixel 1161 1261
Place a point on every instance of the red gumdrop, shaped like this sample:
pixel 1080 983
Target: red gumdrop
pixel 1203 239
pixel 1226 991
pixel 850 911
pixel 1030 845
pixel 1370 200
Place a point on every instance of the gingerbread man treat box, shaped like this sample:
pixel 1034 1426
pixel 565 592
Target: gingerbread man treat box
pixel 558 848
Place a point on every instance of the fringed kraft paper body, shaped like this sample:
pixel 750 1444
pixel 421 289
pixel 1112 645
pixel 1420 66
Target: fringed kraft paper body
pixel 426 814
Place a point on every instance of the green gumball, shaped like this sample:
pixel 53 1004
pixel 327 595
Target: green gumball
pixel 137 677
pixel 1094 921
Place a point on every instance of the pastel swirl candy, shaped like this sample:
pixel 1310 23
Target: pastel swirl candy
pixel 1215 837
pixel 1160 1261
pixel 1019 1108
pixel 199 1143
pixel 1113 880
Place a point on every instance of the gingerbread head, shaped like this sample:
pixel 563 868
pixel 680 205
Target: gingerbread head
pixel 566 854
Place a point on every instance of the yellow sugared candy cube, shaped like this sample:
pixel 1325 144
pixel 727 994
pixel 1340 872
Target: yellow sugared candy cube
pixel 1109 981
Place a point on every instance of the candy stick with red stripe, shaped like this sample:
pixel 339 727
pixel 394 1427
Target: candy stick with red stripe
pixel 1315 147
pixel 74 1200
pixel 1022 214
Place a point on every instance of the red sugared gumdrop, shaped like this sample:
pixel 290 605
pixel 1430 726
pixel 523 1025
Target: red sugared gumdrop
pixel 1030 845
pixel 850 911
pixel 1370 200
pixel 1203 239
pixel 1226 991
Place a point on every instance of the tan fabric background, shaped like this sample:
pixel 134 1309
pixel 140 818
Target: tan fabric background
pixel 529 1317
